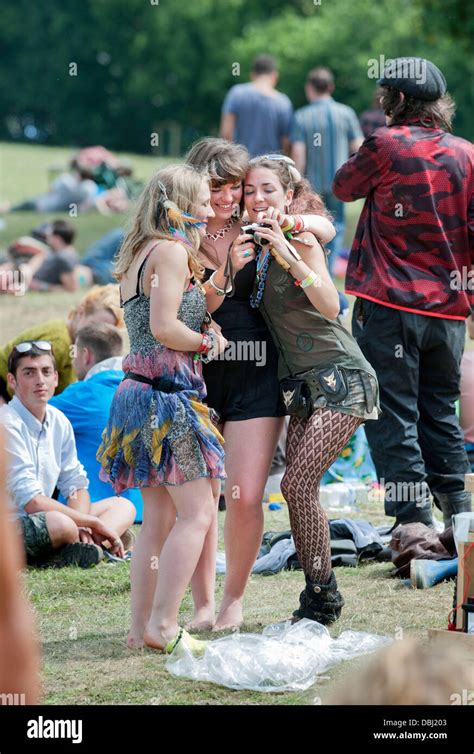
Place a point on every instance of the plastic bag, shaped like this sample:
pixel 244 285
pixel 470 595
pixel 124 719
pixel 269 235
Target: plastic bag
pixel 284 657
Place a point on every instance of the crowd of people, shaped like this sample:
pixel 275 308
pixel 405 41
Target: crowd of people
pixel 230 248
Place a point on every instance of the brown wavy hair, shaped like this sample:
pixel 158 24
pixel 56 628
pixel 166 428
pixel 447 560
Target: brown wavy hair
pixel 438 114
pixel 222 160
pixel 305 201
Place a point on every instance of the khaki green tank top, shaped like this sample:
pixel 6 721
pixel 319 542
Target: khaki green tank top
pixel 304 337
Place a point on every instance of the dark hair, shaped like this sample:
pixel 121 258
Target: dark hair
pixel 222 160
pixel 264 64
pixel 321 79
pixel 305 200
pixel 15 357
pixel 438 113
pixel 64 230
pixel 103 339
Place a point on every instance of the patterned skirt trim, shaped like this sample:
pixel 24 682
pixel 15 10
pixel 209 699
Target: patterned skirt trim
pixel 154 438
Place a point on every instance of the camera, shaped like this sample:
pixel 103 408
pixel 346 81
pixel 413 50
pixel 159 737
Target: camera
pixel 252 230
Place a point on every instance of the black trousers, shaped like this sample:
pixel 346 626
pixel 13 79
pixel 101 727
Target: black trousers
pixel 417 444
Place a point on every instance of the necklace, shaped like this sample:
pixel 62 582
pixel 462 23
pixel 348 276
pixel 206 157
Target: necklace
pixel 263 260
pixel 222 231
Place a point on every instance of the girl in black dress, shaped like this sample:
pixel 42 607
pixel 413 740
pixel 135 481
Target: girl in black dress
pixel 242 385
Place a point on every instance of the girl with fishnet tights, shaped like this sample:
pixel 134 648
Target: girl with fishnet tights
pixel 328 386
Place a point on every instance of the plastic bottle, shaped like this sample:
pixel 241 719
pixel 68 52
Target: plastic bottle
pixel 343 495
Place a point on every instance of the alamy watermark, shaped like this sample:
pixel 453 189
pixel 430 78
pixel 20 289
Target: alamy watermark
pixel 245 350
pixel 12 700
pixel 461 280
pixel 13 281
pixel 401 68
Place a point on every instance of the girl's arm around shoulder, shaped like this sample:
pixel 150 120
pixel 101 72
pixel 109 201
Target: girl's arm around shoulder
pixel 322 293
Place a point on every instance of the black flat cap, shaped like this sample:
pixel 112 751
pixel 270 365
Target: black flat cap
pixel 416 77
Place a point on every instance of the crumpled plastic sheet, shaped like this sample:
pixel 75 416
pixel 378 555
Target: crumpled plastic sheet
pixel 284 657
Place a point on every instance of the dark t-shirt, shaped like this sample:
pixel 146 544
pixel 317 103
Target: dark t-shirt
pixel 55 265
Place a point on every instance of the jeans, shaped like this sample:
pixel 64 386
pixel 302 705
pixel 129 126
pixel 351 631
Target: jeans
pixel 417 445
pixel 99 257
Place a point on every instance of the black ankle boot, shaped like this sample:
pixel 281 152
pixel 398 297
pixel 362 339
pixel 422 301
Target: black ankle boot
pixel 320 602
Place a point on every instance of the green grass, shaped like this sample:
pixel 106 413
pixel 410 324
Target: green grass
pixel 24 173
pixel 82 616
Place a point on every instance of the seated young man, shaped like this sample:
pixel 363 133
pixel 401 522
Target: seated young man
pixel 41 455
pixel 98 364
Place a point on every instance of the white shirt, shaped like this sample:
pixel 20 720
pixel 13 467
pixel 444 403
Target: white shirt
pixel 113 362
pixel 40 456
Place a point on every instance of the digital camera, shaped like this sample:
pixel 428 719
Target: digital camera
pixel 252 230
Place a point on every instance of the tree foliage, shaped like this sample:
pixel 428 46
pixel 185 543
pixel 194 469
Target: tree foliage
pixel 117 71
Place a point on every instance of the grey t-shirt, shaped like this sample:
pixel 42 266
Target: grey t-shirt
pixel 55 265
pixel 261 121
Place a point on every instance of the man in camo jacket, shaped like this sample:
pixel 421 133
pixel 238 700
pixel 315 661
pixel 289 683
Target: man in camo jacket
pixel 411 268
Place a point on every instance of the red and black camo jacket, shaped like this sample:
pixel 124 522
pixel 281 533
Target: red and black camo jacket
pixel 414 245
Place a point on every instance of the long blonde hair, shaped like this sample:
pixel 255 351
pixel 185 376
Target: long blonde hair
pixel 98 298
pixel 151 220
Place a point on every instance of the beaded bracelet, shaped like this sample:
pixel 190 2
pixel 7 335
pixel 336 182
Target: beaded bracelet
pixel 205 344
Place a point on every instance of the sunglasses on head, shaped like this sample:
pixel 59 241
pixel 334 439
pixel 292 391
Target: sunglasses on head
pixel 276 157
pixel 28 345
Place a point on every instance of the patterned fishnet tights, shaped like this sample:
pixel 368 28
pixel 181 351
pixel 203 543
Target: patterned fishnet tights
pixel 312 447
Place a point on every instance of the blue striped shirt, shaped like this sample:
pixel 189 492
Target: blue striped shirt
pixel 326 127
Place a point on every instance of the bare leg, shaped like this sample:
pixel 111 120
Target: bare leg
pixel 61 529
pixel 194 503
pixel 250 446
pixel 116 512
pixel 203 583
pixel 159 515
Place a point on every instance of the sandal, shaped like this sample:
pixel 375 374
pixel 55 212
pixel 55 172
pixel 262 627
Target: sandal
pixel 184 640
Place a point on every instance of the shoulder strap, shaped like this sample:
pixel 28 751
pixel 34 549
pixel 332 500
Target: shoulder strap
pixel 141 269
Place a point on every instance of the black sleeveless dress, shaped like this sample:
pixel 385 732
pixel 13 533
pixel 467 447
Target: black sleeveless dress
pixel 243 382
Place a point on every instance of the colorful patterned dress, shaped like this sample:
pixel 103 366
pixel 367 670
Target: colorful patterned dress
pixel 153 437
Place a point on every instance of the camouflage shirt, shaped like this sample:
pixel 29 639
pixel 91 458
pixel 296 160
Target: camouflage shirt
pixel 414 244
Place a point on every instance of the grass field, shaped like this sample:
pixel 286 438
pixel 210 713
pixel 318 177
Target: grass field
pixel 83 616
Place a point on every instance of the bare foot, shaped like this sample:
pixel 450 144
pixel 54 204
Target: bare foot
pixel 230 616
pixel 157 640
pixel 203 620
pixel 135 642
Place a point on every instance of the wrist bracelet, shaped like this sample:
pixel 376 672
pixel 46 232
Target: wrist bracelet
pixel 205 343
pixel 211 352
pixel 289 225
pixel 299 224
pixel 219 291
pixel 309 280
